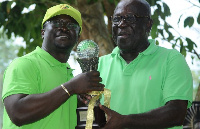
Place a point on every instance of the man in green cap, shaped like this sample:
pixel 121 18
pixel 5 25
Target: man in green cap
pixel 39 91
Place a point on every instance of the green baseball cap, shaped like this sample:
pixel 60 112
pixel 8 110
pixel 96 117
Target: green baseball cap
pixel 63 9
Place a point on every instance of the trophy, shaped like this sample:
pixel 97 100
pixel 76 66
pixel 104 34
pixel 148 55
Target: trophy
pixel 87 52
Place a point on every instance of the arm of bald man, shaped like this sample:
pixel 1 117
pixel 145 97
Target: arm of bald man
pixel 172 114
pixel 24 109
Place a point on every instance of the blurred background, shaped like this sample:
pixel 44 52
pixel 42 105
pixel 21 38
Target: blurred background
pixel 176 26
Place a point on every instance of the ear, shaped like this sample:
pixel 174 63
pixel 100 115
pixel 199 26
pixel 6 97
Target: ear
pixel 42 33
pixel 149 25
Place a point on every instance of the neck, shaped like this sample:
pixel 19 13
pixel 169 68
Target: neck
pixel 60 55
pixel 129 56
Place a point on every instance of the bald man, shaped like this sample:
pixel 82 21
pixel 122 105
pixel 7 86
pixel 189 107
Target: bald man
pixel 151 86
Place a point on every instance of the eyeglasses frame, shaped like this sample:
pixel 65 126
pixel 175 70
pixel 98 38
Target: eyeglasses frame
pixel 123 18
pixel 61 21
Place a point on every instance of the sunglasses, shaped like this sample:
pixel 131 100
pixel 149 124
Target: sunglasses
pixel 61 23
pixel 127 19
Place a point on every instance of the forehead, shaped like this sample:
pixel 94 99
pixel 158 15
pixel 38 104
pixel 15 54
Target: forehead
pixel 138 7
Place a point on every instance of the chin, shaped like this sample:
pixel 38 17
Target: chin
pixel 64 47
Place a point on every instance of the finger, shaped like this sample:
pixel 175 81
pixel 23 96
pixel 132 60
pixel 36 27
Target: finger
pixel 94 73
pixel 95 84
pixel 86 102
pixel 81 98
pixel 88 97
pixel 107 111
pixel 104 108
pixel 97 88
pixel 85 98
pixel 96 79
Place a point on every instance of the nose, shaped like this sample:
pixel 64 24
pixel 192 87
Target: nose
pixel 122 23
pixel 64 28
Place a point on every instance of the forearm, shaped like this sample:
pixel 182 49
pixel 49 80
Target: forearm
pixel 23 109
pixel 30 108
pixel 163 117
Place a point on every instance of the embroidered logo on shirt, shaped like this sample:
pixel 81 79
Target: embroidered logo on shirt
pixel 150 78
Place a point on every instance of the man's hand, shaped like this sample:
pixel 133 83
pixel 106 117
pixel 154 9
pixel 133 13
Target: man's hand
pixel 114 119
pixel 84 98
pixel 85 82
pixel 170 115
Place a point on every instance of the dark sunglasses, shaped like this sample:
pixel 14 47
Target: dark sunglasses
pixel 127 18
pixel 61 23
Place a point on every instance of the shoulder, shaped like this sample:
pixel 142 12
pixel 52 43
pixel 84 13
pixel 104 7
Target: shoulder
pixel 105 57
pixel 169 53
pixel 110 56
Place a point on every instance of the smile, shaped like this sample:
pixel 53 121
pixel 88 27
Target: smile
pixel 123 35
pixel 62 36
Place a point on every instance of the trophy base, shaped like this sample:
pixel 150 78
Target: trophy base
pixel 94 126
pixel 99 118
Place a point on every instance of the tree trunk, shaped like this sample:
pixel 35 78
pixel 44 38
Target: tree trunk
pixel 109 9
pixel 197 98
pixel 94 27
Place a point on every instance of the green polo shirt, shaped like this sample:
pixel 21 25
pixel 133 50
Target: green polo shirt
pixel 155 77
pixel 36 73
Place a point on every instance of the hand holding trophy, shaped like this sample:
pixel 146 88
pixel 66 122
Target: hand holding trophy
pixel 88 52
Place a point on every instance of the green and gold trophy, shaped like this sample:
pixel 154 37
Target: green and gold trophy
pixel 90 116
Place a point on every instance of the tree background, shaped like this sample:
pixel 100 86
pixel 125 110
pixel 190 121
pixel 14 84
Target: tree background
pixel 23 18
pixel 8 51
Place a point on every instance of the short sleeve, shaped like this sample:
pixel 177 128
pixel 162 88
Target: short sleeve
pixel 178 83
pixel 21 77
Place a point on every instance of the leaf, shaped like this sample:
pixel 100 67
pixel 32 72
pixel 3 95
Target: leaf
pixel 189 21
pixel 21 51
pixel 161 32
pixel 180 18
pixel 183 50
pixel 190 44
pixel 166 9
pixel 152 2
pixel 170 36
pixel 157 43
pixel 181 41
pixel 154 32
pixel 111 1
pixel 198 19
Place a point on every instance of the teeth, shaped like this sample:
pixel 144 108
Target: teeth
pixel 63 36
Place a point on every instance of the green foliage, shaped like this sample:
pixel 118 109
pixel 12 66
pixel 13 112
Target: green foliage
pixel 91 1
pixel 191 44
pixel 198 19
pixel 113 2
pixel 8 52
pixel 166 10
pixel 152 2
pixel 183 50
pixel 189 21
pixel 28 25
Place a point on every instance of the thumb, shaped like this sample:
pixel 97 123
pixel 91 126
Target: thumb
pixel 104 108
